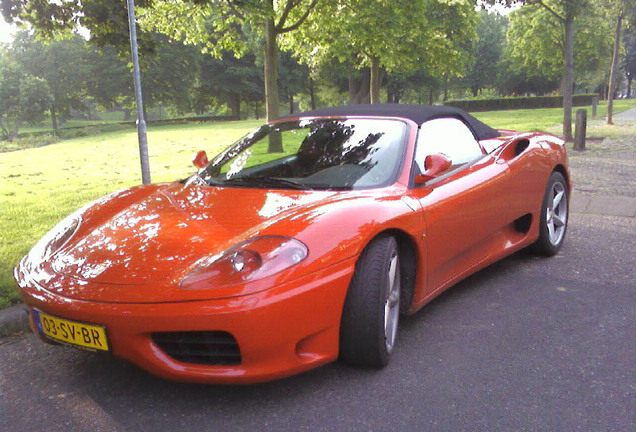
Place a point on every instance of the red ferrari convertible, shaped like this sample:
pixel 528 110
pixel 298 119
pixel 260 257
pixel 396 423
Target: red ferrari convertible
pixel 300 244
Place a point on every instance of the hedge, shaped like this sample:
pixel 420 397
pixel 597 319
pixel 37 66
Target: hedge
pixel 512 103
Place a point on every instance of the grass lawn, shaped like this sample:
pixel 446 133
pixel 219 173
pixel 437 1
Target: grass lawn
pixel 39 186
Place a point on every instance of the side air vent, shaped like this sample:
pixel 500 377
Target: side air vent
pixel 521 145
pixel 523 224
pixel 514 149
pixel 214 348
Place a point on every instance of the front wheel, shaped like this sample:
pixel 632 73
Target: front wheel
pixel 554 217
pixel 371 311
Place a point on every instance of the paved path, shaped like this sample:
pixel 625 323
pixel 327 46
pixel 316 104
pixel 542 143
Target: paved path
pixel 528 344
pixel 604 176
pixel 607 205
pixel 626 115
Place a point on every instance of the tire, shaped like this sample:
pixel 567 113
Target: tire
pixel 553 222
pixel 370 315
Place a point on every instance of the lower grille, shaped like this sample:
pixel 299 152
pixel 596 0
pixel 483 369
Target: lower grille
pixel 200 347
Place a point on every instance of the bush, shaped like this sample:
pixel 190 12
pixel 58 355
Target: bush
pixel 513 103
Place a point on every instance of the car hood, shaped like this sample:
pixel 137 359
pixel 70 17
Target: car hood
pixel 159 236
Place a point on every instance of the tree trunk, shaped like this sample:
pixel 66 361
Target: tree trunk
pixel 54 118
pixel 359 88
pixel 445 88
pixel 375 80
pixel 614 70
pixel 235 106
pixel 312 96
pixel 13 130
pixel 351 82
pixel 568 77
pixel 430 96
pixel 389 96
pixel 272 101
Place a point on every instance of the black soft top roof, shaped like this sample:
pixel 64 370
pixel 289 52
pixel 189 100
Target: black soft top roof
pixel 417 113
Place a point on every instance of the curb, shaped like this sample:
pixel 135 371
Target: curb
pixel 13 319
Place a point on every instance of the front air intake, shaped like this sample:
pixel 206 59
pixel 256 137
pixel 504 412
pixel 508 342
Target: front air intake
pixel 212 348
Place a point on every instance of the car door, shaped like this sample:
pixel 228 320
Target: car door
pixel 464 209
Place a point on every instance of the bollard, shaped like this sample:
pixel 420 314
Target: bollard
pixel 581 129
pixel 594 106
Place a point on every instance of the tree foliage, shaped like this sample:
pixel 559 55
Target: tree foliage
pixel 221 25
pixel 382 34
pixel 228 80
pixel 23 98
pixel 486 51
pixel 565 12
pixel 200 54
pixel 536 43
pixel 60 64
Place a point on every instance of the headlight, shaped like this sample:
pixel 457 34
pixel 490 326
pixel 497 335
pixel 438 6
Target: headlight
pixel 55 239
pixel 248 261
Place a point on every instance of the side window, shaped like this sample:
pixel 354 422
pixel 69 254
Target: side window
pixel 449 136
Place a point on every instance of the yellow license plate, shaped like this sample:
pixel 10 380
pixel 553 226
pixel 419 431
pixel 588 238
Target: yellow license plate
pixel 71 332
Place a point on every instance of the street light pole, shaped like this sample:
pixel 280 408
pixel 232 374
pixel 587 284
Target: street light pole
pixel 141 122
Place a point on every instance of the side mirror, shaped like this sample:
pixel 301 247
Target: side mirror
pixel 434 165
pixel 200 160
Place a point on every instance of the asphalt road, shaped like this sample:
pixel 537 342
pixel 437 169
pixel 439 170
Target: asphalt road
pixel 528 344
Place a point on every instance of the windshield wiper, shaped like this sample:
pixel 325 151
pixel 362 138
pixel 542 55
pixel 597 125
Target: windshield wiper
pixel 264 181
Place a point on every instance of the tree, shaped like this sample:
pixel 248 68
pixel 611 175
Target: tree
pixel 629 61
pixel 516 79
pixel 293 78
pixel 565 12
pixel 486 51
pixel 535 45
pixel 23 98
pixel 387 35
pixel 108 82
pixel 221 25
pixel 623 11
pixel 59 63
pixel 231 80
pixel 169 73
pixel 192 21
pixel 614 68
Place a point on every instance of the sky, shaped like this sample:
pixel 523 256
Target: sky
pixel 6 31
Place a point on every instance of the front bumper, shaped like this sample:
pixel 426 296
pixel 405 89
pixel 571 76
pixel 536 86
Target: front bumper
pixel 282 331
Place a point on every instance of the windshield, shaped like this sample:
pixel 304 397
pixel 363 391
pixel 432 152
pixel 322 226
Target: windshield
pixel 316 154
